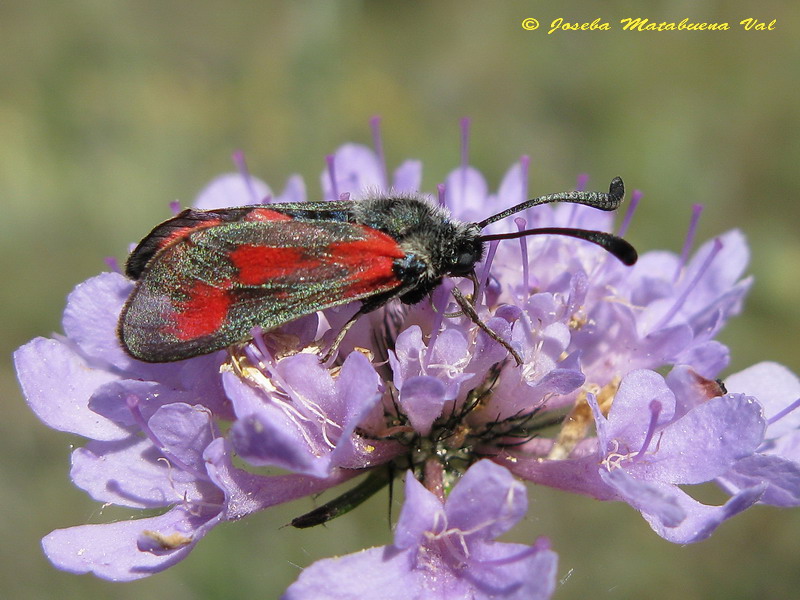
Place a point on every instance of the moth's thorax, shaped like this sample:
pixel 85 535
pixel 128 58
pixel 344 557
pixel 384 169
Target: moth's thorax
pixel 446 246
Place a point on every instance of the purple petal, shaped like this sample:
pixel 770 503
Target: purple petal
pixel 659 503
pixel 112 551
pixel 358 170
pixel 184 432
pixel 408 177
pixel 90 318
pixel 57 384
pixel 781 476
pixel 512 189
pixel 247 493
pixel 232 189
pixel 701 520
pixel 276 441
pixel 265 434
pixel 131 473
pixel 466 192
pixel 487 501
pixel 421 511
pixel 708 358
pixel 294 191
pixel 579 476
pixel 705 442
pixel 422 399
pixel 775 387
pixel 361 575
pixel 111 399
pixel 629 418
pixel 513 571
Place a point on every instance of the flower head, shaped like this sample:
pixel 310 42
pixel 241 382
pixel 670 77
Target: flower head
pixel 444 549
pixel 422 389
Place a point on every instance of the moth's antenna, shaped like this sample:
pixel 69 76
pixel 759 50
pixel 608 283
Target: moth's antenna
pixel 599 200
pixel 613 244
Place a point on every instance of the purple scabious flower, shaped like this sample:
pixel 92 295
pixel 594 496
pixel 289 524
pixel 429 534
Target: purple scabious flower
pixel 444 549
pixel 422 390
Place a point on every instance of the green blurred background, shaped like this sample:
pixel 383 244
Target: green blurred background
pixel 110 109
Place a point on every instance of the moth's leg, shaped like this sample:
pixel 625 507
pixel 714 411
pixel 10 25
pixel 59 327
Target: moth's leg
pixel 467 309
pixel 368 306
pixel 473 299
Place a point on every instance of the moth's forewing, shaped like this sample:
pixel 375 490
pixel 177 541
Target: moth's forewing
pixel 205 287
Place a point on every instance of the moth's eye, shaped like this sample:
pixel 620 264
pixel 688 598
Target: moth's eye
pixel 464 263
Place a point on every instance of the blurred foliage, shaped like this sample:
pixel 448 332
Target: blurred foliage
pixel 111 109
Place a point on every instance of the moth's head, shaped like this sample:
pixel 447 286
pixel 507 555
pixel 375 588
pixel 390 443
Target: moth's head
pixel 467 249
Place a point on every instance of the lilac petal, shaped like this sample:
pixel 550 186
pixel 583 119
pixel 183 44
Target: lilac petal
pixel 134 472
pixel 131 473
pixel 422 399
pixel 421 512
pixel 111 399
pixel 357 169
pixel 57 385
pixel 659 503
pixel 265 434
pixel 487 501
pixel 561 380
pixel 308 379
pixel 408 177
pixel 466 192
pixel 90 318
pixel 275 441
pixel 701 520
pixel 661 346
pixel 293 191
pixel 504 571
pixel 232 189
pixel 184 432
pixel 454 563
pixel 90 321
pixel 488 352
pixel 247 493
pixel 705 442
pixel 629 418
pixel 134 549
pixel 361 575
pixel 781 476
pixel 708 358
pixel 406 359
pixel 513 187
pixel 725 270
pixel 112 551
pixel 578 476
pixel 775 387
pixel 710 318
pixel 200 376
pixel 648 280
pixel 787 446
pixel 357 388
pixel 450 351
pixel 512 571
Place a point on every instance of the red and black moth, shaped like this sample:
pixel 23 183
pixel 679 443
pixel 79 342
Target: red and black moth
pixel 206 278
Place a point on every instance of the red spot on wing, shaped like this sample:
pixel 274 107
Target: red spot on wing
pixel 202 313
pixel 370 262
pixel 259 264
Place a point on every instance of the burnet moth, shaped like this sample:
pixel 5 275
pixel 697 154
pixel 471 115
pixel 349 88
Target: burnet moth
pixel 206 278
